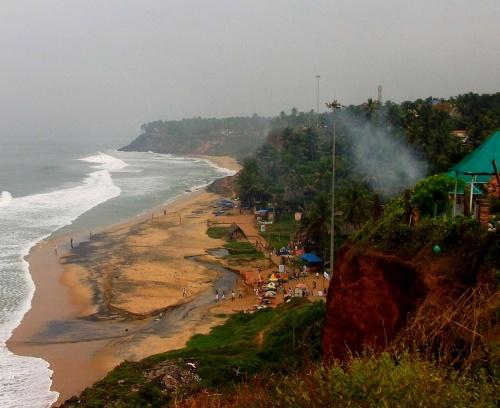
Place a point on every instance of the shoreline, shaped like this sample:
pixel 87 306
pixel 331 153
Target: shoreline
pixel 66 306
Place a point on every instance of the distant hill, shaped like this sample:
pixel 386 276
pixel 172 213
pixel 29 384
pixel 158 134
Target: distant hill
pixel 236 136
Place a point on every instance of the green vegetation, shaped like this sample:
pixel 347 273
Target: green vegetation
pixel 431 194
pixel 391 232
pixel 242 250
pixel 281 232
pixel 368 381
pixel 272 358
pixel 269 341
pixel 217 232
pixel 236 136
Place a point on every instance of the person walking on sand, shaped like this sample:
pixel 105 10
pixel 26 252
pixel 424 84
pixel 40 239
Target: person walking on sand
pixel 71 243
pixel 164 212
pixel 223 295
pixel 216 295
pixel 240 296
pixel 55 250
pixel 184 292
pixel 232 296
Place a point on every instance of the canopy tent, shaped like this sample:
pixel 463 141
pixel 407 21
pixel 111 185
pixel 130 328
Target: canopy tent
pixel 311 258
pixel 273 278
pixel 271 286
pixel 478 167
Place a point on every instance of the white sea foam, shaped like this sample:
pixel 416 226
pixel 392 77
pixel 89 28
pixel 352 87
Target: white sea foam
pixel 222 170
pixel 105 162
pixel 25 381
pixel 5 198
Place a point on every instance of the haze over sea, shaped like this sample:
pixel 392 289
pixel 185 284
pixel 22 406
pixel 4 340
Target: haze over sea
pixel 65 186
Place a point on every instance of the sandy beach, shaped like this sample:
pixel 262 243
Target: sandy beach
pixel 136 289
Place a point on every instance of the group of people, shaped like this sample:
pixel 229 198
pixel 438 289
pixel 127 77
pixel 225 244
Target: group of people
pixel 222 295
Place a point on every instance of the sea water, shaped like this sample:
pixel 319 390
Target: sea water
pixel 65 189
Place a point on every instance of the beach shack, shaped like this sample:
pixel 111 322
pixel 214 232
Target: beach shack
pixel 475 176
pixel 312 260
pixel 235 232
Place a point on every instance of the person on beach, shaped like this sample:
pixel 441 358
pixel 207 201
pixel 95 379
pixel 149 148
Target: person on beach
pixel 240 295
pixel 164 212
pixel 184 292
pixel 233 296
pixel 216 295
pixel 223 295
pixel 90 235
pixel 71 243
pixel 55 250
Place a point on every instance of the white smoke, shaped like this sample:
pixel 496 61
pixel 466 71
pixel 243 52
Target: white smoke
pixel 386 162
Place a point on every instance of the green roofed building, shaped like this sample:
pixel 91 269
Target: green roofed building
pixel 475 169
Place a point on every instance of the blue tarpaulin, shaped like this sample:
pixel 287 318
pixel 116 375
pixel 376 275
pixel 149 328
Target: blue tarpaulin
pixel 311 258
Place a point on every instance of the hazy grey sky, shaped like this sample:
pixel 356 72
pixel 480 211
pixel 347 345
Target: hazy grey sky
pixel 101 68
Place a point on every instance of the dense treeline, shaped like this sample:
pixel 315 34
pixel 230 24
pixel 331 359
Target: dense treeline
pixel 235 136
pixel 375 142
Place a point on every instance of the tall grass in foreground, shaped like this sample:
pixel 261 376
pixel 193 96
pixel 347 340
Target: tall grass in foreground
pixel 368 381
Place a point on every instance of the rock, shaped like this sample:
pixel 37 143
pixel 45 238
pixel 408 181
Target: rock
pixel 174 376
pixel 223 186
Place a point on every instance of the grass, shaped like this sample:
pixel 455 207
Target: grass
pixel 217 232
pixel 271 340
pixel 280 233
pixel 242 250
pixel 368 380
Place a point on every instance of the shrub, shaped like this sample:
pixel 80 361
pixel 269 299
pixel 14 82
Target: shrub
pixel 217 232
pixel 431 194
pixel 369 380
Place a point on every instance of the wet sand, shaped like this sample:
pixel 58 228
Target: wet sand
pixel 120 295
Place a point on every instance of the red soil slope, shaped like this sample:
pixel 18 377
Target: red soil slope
pixel 368 301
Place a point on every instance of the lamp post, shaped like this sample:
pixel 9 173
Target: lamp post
pixel 333 106
pixel 317 76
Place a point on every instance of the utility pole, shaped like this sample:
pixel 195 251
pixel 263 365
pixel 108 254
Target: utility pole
pixel 317 92
pixel 333 106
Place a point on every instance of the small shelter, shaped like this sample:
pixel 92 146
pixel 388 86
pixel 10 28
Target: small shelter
pixel 235 232
pixel 311 259
pixel 477 168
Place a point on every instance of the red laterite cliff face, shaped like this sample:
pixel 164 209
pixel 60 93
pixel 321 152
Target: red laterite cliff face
pixel 369 299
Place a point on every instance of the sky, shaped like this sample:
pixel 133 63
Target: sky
pixel 99 69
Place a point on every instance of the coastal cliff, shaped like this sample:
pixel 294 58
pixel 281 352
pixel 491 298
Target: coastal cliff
pixel 237 137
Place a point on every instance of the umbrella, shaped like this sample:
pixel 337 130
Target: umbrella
pixel 273 278
pixel 269 294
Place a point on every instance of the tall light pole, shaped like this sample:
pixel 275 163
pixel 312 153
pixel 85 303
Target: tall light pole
pixel 317 76
pixel 333 106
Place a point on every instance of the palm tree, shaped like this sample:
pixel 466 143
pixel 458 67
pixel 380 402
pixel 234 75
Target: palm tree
pixel 316 221
pixel 355 204
pixel 370 107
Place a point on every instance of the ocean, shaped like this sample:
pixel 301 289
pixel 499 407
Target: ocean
pixel 59 188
